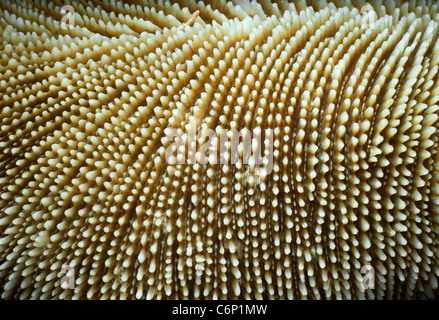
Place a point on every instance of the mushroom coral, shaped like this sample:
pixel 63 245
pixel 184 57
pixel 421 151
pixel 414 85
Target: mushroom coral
pixel 85 185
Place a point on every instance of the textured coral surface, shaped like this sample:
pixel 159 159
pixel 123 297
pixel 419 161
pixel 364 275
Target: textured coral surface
pixel 85 184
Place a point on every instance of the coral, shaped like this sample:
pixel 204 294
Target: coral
pixel 85 183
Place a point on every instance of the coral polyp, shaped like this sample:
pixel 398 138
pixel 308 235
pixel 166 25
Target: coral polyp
pixel 350 90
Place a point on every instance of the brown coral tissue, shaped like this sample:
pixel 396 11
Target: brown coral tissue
pixel 92 208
